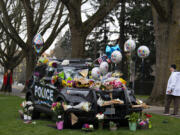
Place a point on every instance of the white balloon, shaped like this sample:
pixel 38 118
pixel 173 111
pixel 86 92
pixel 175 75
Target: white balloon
pixel 116 57
pixel 129 45
pixel 95 73
pixel 143 51
pixel 104 67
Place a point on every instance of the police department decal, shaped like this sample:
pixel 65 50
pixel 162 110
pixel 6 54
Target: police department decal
pixel 43 93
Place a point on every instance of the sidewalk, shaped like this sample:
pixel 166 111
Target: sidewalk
pixel 159 110
pixel 17 91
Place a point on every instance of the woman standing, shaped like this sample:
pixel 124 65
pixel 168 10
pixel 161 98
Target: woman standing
pixel 8 81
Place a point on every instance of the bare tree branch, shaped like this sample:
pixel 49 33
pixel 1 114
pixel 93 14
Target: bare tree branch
pixel 39 19
pixel 49 41
pixel 30 20
pixel 13 33
pixel 103 10
pixel 51 20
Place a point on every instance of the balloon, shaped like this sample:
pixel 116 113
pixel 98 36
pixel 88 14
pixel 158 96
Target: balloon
pixel 129 45
pixel 95 73
pixel 104 67
pixel 38 42
pixel 116 57
pixel 115 48
pixel 143 51
pixel 110 50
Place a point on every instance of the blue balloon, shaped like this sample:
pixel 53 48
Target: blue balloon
pixel 110 50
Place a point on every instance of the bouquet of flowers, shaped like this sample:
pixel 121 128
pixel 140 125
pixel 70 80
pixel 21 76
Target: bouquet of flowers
pixel 100 117
pixel 85 106
pixel 27 107
pixel 57 108
pixel 88 127
pixel 145 122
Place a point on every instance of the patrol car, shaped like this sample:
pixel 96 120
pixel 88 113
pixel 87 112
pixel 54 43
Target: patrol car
pixel 43 93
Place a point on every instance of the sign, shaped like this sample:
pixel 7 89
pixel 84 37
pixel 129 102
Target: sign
pixel 43 93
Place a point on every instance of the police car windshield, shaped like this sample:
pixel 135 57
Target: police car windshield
pixel 72 72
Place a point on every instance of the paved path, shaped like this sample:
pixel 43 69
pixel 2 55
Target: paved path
pixel 17 91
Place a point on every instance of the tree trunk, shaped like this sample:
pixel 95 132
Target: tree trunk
pixel 124 63
pixel 31 60
pixel 167 38
pixel 77 41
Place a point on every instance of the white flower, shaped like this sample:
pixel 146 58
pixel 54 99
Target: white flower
pixel 31 108
pixel 59 117
pixel 86 106
pixel 100 116
pixel 91 126
pixel 23 103
pixel 28 103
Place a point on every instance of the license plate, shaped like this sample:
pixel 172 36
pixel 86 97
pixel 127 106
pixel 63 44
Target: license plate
pixel 109 111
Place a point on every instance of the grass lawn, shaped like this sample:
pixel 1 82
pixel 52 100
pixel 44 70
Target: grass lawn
pixel 142 97
pixel 11 124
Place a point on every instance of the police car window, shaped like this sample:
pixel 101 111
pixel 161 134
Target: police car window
pixel 72 72
pixel 69 72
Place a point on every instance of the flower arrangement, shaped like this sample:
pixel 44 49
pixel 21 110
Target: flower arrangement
pixel 87 127
pixel 57 108
pixel 27 107
pixel 145 123
pixel 85 106
pixel 100 117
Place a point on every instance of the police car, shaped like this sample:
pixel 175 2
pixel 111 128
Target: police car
pixel 43 93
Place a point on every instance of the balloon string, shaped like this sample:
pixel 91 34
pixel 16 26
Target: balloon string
pixel 143 68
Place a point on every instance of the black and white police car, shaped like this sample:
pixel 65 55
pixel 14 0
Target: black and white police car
pixel 43 93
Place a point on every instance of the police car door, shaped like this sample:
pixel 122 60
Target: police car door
pixel 44 91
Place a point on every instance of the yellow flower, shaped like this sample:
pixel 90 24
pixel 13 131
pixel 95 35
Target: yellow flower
pixel 122 81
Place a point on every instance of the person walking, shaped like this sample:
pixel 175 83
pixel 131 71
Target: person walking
pixel 8 81
pixel 173 91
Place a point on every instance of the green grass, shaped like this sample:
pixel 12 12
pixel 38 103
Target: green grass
pixel 142 97
pixel 10 123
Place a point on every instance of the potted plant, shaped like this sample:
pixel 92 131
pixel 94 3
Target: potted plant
pixel 57 108
pixel 113 126
pixel 133 118
pixel 100 117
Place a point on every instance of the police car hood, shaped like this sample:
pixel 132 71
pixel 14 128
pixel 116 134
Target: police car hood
pixel 76 95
